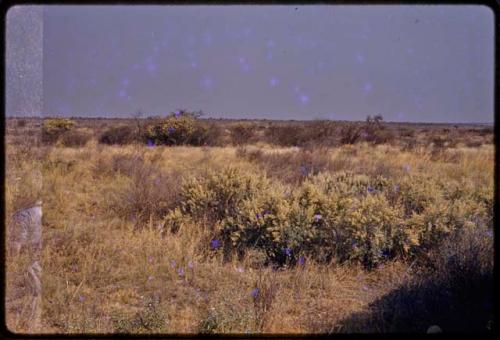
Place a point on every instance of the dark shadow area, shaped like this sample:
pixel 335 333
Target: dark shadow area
pixel 452 289
pixel 455 306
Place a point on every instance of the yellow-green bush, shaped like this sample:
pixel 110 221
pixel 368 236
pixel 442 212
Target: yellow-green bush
pixel 176 129
pixel 342 216
pixel 53 128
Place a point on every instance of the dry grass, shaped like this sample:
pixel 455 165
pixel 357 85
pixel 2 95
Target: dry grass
pixel 108 268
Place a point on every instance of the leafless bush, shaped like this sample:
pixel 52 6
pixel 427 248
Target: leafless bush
pixel 350 134
pixel 75 138
pixel 242 133
pixel 149 192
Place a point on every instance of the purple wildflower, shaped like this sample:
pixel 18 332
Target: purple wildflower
pixel 288 251
pixel 303 170
pixel 302 260
pixel 170 130
pixel 81 298
pixel 150 259
pixel 365 288
pixel 173 263
pixel 370 189
pixel 318 217
pixel 407 167
pixel 240 270
pixel 489 233
pixel 180 271
pixel 385 253
pixel 215 244
pixel 151 278
pixel 255 293
pixel 190 265
pixel 151 143
pixel 259 215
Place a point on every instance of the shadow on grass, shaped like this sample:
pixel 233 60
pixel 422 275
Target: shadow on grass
pixel 453 305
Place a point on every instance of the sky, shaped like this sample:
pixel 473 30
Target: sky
pixel 407 63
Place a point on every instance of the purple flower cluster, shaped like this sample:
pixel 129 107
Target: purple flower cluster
pixel 302 260
pixel 215 244
pixel 151 143
pixel 317 217
pixel 255 293
pixel 287 251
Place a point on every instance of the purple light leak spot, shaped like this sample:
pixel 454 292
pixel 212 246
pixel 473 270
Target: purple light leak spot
pixel 296 89
pixel 418 101
pixel 273 81
pixel 191 40
pixel 242 60
pixel 136 67
pixel 247 32
pixel 246 68
pixel 360 59
pixel 410 51
pixel 122 94
pixel 304 99
pixel 401 115
pixel 207 82
pixel 125 82
pixel 207 39
pixel 190 54
pixel 152 68
pixel 269 56
pixel 320 65
pixel 194 64
pixel 367 87
pixel 270 43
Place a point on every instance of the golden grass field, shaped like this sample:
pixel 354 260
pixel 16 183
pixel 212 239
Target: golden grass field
pixel 110 263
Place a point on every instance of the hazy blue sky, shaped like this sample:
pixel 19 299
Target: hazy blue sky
pixel 408 63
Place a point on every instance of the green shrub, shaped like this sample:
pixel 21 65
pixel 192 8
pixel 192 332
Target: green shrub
pixel 53 128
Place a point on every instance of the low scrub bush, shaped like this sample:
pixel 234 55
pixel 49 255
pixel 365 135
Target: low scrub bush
pixel 52 129
pixel 181 128
pixel 342 217
pixel 242 133
pixel 350 133
pixel 147 192
pixel 75 138
pixel 316 133
pixel 120 135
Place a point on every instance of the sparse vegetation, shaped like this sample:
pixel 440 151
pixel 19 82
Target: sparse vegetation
pixel 290 227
